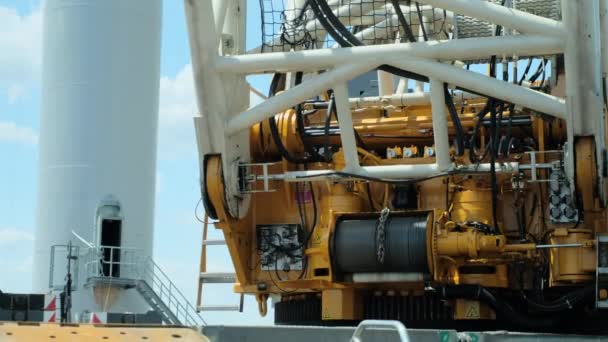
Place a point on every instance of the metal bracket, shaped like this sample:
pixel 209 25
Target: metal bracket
pixel 534 165
pixel 248 179
pixel 227 44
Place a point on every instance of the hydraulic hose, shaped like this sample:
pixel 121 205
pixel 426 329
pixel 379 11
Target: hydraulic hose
pixel 274 130
pixel 565 302
pixel 476 292
pixel 345 38
pixel 406 27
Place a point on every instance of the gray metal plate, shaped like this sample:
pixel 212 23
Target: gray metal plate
pixel 335 334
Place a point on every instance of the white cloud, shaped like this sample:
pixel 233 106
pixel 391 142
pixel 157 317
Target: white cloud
pixel 21 46
pixel 11 236
pixel 12 133
pixel 177 107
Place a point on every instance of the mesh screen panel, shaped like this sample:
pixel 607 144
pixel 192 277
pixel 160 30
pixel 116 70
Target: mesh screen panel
pixel 285 26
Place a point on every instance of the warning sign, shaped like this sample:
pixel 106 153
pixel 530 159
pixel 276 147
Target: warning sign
pixel 50 316
pixel 472 310
pixel 51 303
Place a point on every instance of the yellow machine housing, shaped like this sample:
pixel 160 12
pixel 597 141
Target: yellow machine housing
pixel 510 249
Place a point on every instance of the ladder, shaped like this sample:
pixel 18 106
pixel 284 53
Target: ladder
pixel 213 277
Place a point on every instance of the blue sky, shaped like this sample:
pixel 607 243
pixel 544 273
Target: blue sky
pixel 177 232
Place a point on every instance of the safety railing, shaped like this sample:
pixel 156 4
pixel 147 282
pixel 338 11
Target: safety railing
pixel 170 295
pixel 120 264
pixel 113 262
pixel 58 268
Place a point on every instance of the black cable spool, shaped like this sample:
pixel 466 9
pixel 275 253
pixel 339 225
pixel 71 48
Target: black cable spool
pixel 355 251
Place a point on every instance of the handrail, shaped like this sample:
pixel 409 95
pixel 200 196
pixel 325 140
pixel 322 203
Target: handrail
pixel 372 323
pixel 134 266
pixel 174 295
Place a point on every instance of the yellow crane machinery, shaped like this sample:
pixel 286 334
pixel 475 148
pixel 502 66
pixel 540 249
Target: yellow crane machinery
pixel 477 200
pixel 354 247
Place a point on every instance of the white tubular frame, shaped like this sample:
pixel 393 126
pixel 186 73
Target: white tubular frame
pixel 440 125
pixel 347 136
pixel 449 50
pixel 499 15
pixel 221 125
pixel 404 100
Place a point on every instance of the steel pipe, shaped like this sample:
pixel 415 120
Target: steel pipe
pixel 211 90
pixel 220 9
pixel 482 84
pixel 296 95
pixel 447 50
pixel 347 132
pixel 395 172
pixel 380 30
pixel 440 125
pixel 404 99
pixel 385 83
pixel 508 17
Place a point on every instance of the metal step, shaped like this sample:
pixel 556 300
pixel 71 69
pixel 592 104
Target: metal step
pixel 156 303
pixel 214 242
pixel 218 277
pixel 218 308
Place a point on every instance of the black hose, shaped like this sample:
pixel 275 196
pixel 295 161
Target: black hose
pixel 521 223
pixel 421 22
pixel 539 71
pixel 476 292
pixel 327 20
pixel 488 108
pixel 339 32
pixel 328 113
pixel 406 27
pixel 565 302
pixel 449 101
pixel 472 141
pixel 526 71
pixel 276 136
pixel 313 153
pixel 501 109
pixel 346 39
pixel 274 130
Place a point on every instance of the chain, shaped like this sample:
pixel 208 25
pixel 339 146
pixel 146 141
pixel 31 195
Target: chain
pixel 381 235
